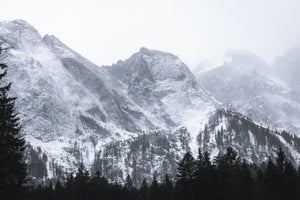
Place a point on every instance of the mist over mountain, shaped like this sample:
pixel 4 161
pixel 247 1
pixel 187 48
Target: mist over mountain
pixel 286 68
pixel 139 116
pixel 267 94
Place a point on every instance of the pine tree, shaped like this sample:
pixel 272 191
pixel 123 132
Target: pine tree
pixel 144 191
pixel 128 189
pixel 270 181
pixel 186 168
pixel 12 166
pixel 186 175
pixel 154 189
pixel 286 182
pixel 167 188
pixel 128 183
pixel 227 166
pixel 59 189
pixel 81 182
pixel 290 181
pixel 281 160
pixel 98 186
pixel 244 180
pixel 204 176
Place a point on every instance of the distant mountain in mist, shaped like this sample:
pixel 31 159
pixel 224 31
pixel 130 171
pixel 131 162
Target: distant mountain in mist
pixel 267 94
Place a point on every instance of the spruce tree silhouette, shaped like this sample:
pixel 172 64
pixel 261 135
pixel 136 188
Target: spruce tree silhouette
pixel 144 191
pixel 12 166
pixel 186 175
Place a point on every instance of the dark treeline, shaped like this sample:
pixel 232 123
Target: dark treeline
pixel 227 177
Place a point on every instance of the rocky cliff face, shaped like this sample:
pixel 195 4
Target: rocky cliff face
pixel 136 117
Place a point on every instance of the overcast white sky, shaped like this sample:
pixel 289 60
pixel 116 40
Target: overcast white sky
pixel 195 30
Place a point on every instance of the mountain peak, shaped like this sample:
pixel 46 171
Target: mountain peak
pixel 154 52
pixel 51 40
pixel 144 50
pixel 156 64
pixel 18 32
pixel 17 23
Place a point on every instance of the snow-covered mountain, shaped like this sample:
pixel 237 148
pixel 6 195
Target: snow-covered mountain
pixel 252 87
pixel 136 117
pixel 71 108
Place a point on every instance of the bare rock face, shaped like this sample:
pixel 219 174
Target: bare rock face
pixel 136 117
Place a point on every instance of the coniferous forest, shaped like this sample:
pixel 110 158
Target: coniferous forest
pixel 226 177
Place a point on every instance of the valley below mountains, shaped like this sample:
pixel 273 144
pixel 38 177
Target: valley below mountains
pixel 141 115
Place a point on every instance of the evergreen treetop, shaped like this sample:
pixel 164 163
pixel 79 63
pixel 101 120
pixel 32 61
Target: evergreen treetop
pixel 13 171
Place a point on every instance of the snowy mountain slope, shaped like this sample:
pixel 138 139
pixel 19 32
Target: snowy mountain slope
pixel 62 112
pixel 52 120
pixel 71 108
pixel 248 84
pixel 164 85
pixel 148 154
pixel 158 152
pixel 252 141
pixel 136 117
pixel 109 92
